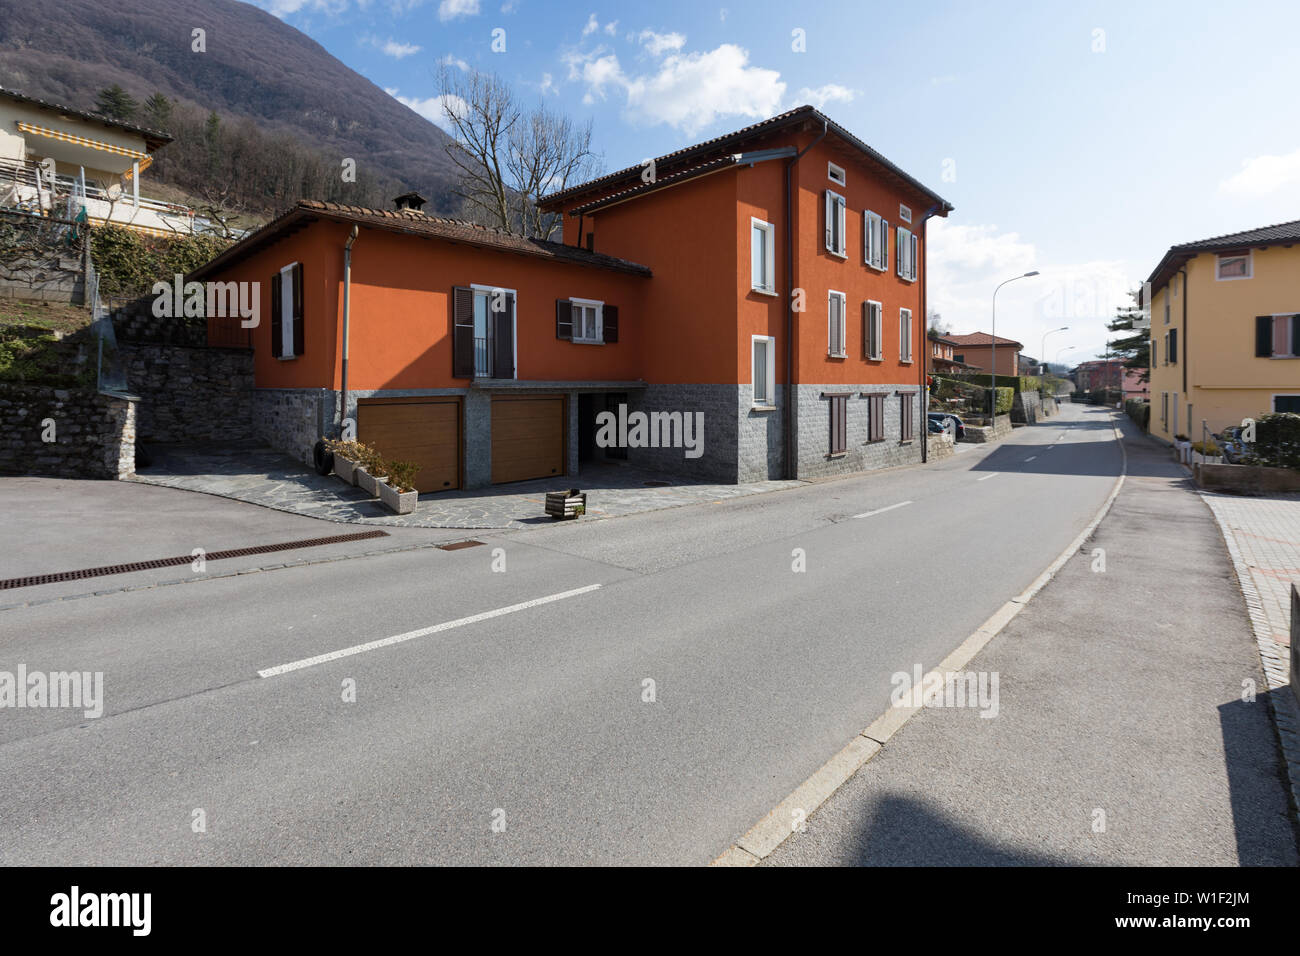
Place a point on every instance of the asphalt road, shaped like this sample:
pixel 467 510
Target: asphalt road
pixel 534 718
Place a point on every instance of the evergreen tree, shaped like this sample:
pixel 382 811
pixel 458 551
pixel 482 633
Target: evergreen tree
pixel 1134 348
pixel 115 103
pixel 158 111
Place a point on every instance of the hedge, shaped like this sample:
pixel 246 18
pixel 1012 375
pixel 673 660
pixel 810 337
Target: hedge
pixel 1139 411
pixel 129 263
pixel 1277 441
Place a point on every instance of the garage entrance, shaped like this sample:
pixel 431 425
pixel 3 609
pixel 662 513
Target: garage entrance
pixel 426 431
pixel 527 437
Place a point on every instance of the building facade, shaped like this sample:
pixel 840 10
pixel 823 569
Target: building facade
pixel 1225 331
pixel 980 350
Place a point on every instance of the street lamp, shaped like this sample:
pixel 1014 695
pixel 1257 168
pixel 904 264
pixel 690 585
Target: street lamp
pixel 1061 351
pixel 1043 351
pixel 993 352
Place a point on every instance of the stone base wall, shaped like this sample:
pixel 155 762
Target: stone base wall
pixel 940 447
pixel 1000 429
pixel 93 435
pixel 1027 408
pixel 813 432
pixel 291 420
pixel 760 449
pixel 719 403
pixel 190 394
pixel 1246 479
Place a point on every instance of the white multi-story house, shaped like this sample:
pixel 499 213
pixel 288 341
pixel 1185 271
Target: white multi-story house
pixel 58 161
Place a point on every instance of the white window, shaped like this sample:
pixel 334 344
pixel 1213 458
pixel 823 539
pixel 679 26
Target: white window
pixel 1233 265
pixel 763 369
pixel 873 334
pixel 905 213
pixel 835 224
pixel 1285 340
pixel 588 320
pixel 287 310
pixel 906 254
pixel 875 240
pixel 835 173
pixel 762 256
pixel 905 335
pixel 835 303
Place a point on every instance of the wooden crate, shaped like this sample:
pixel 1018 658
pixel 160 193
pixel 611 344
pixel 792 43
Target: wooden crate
pixel 562 504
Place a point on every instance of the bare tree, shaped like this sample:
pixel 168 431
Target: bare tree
pixel 508 159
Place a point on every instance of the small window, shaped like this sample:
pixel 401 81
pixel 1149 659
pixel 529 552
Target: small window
pixel 1171 348
pixel 906 254
pixel 873 321
pixel 587 321
pixel 835 242
pixel 875 417
pixel 1286 403
pixel 762 254
pixel 835 304
pixel 906 428
pixel 960 357
pixel 763 369
pixel 905 213
pixel 1277 336
pixel 839 423
pixel 1167 310
pixel 835 173
pixel 287 329
pixel 1233 265
pixel 905 335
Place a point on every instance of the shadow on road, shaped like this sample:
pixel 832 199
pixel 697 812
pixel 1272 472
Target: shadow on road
pixel 1255 769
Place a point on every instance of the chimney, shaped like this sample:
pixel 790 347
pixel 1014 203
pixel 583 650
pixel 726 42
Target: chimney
pixel 410 201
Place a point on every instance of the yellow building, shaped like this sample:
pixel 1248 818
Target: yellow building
pixel 1225 331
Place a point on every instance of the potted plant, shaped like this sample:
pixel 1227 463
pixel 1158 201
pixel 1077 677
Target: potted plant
pixel 1182 448
pixel 397 492
pixel 369 468
pixel 566 504
pixel 346 454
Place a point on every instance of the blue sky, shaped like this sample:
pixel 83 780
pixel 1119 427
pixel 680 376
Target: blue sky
pixel 1079 139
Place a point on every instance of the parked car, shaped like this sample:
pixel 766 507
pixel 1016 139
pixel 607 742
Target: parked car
pixel 936 426
pixel 1234 449
pixel 943 418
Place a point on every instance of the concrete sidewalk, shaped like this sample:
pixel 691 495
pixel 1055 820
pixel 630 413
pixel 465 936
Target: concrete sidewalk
pixel 1123 733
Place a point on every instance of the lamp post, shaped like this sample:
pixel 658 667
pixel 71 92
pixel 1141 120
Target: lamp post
pixel 993 352
pixel 1061 351
pixel 1043 351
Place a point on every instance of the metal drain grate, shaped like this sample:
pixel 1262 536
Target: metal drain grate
pixel 184 559
pixel 457 545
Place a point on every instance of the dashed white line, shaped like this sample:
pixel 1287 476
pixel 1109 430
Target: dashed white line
pixel 1031 458
pixel 422 632
pixel 868 514
pixel 987 477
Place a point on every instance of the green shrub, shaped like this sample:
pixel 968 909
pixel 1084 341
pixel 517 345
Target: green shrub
pixel 401 475
pixel 129 263
pixel 1277 441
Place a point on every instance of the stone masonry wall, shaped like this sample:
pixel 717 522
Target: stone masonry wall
pixel 291 420
pixel 190 394
pixel 94 435
pixel 1027 408
pixel 721 424
pixel 813 434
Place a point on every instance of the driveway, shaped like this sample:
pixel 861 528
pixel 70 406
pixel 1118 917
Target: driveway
pixel 264 477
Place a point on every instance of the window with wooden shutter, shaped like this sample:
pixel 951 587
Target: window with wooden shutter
pixel 905 416
pixel 835 223
pixel 912 259
pixel 839 423
pixel 277 318
pixel 1173 347
pixel 872 329
pixel 884 245
pixel 876 417
pixel 299 326
pixel 905 335
pixel 503 336
pixel 610 323
pixel 462 319
pixel 875 240
pixel 836 305
pixel 564 319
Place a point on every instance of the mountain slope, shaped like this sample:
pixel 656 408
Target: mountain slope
pixel 255 67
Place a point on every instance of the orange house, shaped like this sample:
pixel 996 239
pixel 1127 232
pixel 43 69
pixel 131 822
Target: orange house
pixel 768 285
pixel 978 349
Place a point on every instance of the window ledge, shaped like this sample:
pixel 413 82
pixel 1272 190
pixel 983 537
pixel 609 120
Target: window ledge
pixel 772 292
pixel 838 255
pixel 877 268
pixel 837 356
pixel 836 454
pixel 588 341
pixel 907 441
pixel 756 407
pixel 285 358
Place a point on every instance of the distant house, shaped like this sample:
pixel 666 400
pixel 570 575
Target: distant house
pixel 1109 373
pixel 59 161
pixel 943 355
pixel 1225 330
pixel 490 358
pixel 977 351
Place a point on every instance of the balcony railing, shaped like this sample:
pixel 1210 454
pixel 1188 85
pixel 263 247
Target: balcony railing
pixel 482 358
pixel 27 187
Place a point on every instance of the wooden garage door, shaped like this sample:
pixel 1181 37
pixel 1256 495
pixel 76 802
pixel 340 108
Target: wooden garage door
pixel 425 431
pixel 527 437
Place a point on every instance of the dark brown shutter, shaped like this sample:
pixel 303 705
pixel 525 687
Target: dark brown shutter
pixel 462 332
pixel 1263 336
pixel 877 418
pixel 866 330
pixel 277 323
pixel 609 323
pixel 299 338
pixel 1173 347
pixel 503 340
pixel 564 319
pixel 905 416
pixel 839 416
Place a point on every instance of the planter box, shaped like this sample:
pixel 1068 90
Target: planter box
pixel 400 503
pixel 344 468
pixel 563 505
pixel 1247 479
pixel 366 481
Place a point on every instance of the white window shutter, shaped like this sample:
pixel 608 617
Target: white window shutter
pixel 912 257
pixel 829 212
pixel 884 244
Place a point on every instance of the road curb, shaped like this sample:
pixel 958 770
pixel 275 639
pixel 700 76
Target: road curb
pixel 774 829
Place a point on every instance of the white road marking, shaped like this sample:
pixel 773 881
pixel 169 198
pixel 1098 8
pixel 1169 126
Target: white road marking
pixel 1031 458
pixel 868 514
pixel 987 477
pixel 422 632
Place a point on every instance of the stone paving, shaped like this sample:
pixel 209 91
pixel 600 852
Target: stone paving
pixel 1263 539
pixel 264 477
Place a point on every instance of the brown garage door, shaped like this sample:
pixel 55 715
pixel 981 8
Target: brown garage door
pixel 425 431
pixel 527 437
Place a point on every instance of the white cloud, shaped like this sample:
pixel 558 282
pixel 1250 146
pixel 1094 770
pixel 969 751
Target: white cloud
pixel 451 9
pixel 688 91
pixel 452 60
pixel 967 262
pixel 282 8
pixel 548 85
pixel 1262 176
pixel 660 43
pixel 434 108
pixel 830 93
pixel 611 28
pixel 399 50
pixel 510 6
pixel 592 26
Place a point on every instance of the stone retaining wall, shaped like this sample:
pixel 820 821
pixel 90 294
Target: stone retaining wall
pixel 93 435
pixel 1001 428
pixel 190 394
pixel 1246 479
